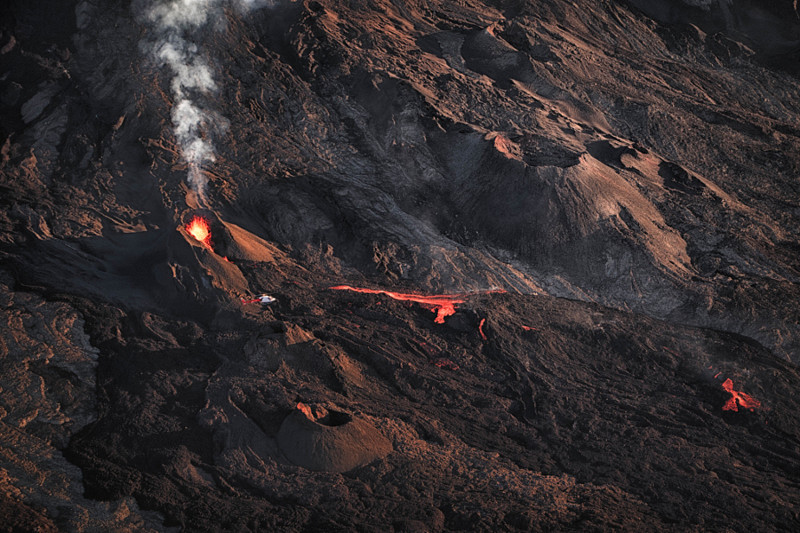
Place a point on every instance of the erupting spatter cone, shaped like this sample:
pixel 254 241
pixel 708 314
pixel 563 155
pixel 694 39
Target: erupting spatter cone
pixel 199 229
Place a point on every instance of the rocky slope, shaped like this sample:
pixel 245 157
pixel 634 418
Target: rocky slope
pixel 609 188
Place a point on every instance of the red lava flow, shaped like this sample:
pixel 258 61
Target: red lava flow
pixel 445 363
pixel 738 399
pixel 198 228
pixel 306 410
pixel 480 329
pixel 443 305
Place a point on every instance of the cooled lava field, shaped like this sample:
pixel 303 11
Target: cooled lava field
pixel 399 266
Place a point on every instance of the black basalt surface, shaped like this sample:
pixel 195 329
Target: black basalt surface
pixel 609 189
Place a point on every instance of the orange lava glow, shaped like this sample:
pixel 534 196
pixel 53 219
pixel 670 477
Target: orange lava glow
pixel 198 228
pixel 738 399
pixel 480 328
pixel 443 311
pixel 306 410
pixel 445 363
pixel 443 305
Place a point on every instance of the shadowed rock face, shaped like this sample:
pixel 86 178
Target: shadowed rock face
pixel 625 171
pixel 769 27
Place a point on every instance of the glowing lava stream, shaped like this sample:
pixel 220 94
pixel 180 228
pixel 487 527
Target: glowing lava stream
pixel 198 228
pixel 738 399
pixel 443 305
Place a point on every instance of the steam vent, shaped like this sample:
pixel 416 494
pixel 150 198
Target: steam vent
pixel 330 441
pixel 396 266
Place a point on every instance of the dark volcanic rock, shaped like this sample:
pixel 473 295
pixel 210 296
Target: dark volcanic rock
pixel 609 189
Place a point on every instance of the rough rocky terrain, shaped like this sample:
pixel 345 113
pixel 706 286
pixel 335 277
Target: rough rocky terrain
pixel 608 191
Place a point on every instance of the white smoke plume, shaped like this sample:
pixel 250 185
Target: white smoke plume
pixel 177 28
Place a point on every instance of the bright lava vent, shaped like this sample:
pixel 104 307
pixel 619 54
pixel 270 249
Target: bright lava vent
pixel 199 229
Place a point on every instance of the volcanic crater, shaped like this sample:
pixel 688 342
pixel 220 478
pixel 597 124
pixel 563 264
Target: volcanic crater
pixel 322 265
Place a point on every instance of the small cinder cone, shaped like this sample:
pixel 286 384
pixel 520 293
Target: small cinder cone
pixel 334 442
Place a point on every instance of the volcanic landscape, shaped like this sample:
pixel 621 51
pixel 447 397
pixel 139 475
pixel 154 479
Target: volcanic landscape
pixel 400 266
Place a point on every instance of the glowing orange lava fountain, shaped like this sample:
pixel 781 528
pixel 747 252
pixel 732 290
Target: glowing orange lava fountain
pixel 443 305
pixel 738 399
pixel 198 228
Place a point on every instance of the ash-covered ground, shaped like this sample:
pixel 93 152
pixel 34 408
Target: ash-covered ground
pixel 534 265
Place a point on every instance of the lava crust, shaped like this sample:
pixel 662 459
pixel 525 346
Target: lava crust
pixel 327 265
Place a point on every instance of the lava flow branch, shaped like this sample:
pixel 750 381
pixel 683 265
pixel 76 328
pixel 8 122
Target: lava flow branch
pixel 443 305
pixel 738 399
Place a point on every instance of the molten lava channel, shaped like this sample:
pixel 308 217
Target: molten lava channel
pixel 738 399
pixel 443 305
pixel 199 229
pixel 480 329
